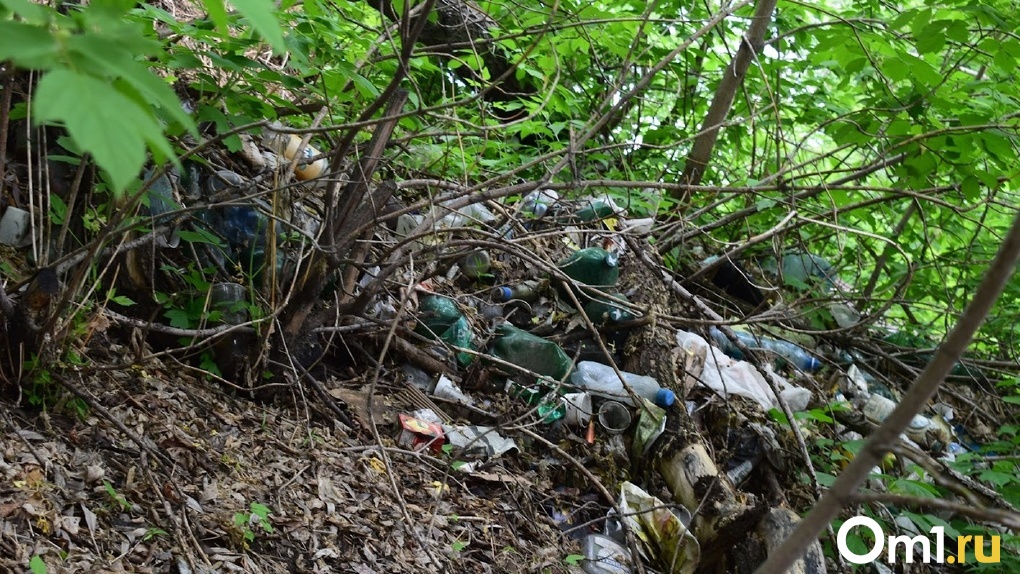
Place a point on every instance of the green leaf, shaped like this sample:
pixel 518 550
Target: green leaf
pixel 102 120
pixel 218 14
pixel 58 210
pixel 260 510
pixel 30 11
pixel 178 318
pixel 573 559
pixel 200 236
pixel 816 415
pixel 28 46
pixel 971 188
pixel 921 70
pixel 119 64
pixel 260 14
pixel 37 566
pixel 122 300
pixel 997 478
pixel 115 7
pixel 914 488
pixel 932 38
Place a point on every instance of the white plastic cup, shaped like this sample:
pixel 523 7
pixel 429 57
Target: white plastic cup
pixel 578 409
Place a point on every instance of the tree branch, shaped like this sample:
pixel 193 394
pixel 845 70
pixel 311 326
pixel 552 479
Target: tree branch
pixel 750 46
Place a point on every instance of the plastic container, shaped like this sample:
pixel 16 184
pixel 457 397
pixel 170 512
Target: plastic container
pixel 526 291
pixel 577 409
pixel 789 352
pixel 14 227
pixel 599 379
pixel 231 349
pixel 521 348
pixel 289 146
pixel 221 180
pixel 447 389
pixel 592 266
pixel 596 208
pixel 933 433
pixel 603 555
pixel 475 264
pixel 614 417
pixel 228 299
pixel 802 270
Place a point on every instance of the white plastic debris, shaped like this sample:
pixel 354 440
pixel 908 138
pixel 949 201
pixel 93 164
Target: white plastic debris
pixel 478 441
pixel 447 389
pixel 729 377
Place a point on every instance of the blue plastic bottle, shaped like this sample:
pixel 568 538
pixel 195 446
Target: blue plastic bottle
pixel 789 352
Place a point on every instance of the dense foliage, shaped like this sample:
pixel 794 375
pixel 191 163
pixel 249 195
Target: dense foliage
pixel 890 131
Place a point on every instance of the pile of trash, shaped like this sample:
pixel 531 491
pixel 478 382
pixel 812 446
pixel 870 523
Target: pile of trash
pixel 513 318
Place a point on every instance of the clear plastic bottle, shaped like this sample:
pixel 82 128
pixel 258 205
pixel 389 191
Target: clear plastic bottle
pixel 603 310
pixel 599 379
pixel 538 202
pixel 525 291
pixel 930 432
pixel 475 264
pixel 790 352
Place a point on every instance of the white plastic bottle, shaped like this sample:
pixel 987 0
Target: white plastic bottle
pixel 601 380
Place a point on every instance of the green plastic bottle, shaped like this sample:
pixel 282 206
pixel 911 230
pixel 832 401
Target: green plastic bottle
pixel 596 209
pixel 521 348
pixel 604 310
pixel 441 318
pixel 592 266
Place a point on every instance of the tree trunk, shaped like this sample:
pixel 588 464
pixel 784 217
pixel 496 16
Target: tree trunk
pixel 750 46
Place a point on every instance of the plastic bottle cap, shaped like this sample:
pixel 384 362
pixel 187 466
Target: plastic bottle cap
pixel 813 364
pixel 665 398
pixel 502 293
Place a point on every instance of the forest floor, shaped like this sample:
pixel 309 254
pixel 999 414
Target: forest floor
pixel 164 469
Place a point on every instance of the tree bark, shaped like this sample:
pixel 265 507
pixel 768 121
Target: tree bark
pixel 750 46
